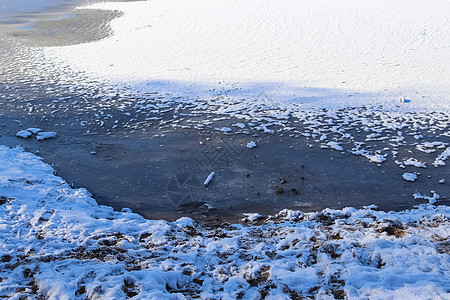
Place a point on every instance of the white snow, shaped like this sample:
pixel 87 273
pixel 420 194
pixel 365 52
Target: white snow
pixel 239 125
pixel 224 129
pixel 440 160
pixel 251 217
pixel 335 146
pixel 431 199
pixel 59 244
pixel 409 176
pixel 23 134
pixel 428 147
pixel 314 53
pixel 414 162
pixel 43 135
pixel 251 145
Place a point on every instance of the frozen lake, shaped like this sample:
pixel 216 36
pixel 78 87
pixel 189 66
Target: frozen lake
pixel 137 137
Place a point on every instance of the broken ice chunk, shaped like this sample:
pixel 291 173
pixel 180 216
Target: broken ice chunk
pixel 23 134
pixel 251 145
pixel 43 135
pixel 409 176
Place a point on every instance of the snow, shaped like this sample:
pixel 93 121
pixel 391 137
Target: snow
pixel 440 160
pixel 409 176
pixel 40 135
pixel 414 162
pixel 251 217
pixel 34 130
pixel 251 145
pixel 23 134
pixel 44 135
pixel 313 53
pixel 431 199
pixel 335 146
pixel 58 243
pixel 224 129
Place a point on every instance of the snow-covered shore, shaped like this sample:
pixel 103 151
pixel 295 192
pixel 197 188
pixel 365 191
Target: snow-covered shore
pixel 58 243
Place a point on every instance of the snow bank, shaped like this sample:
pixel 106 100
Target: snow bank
pixel 58 243
pixel 316 53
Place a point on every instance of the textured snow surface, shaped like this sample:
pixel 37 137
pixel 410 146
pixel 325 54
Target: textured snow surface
pixel 57 243
pixel 317 53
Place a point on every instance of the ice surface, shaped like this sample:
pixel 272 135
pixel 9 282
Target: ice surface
pixel 315 53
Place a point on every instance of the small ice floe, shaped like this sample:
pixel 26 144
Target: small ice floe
pixel 442 181
pixel 265 129
pixel 428 147
pixel 409 177
pixel 376 158
pixel 335 146
pixel 34 130
pixel 372 157
pixel 184 222
pixel 24 134
pixel 372 206
pixel 224 129
pixel 209 178
pixel 251 217
pixel 240 125
pixel 440 160
pixel 251 145
pixel 290 215
pixel 431 199
pixel 44 135
pixel 414 162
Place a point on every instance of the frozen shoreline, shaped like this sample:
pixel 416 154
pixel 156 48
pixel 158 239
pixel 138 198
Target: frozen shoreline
pixel 59 243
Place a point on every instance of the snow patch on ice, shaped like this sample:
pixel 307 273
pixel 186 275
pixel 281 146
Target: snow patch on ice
pixel 409 176
pixel 414 162
pixel 335 146
pixel 431 199
pixel 251 145
pixel 23 134
pixel 44 135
